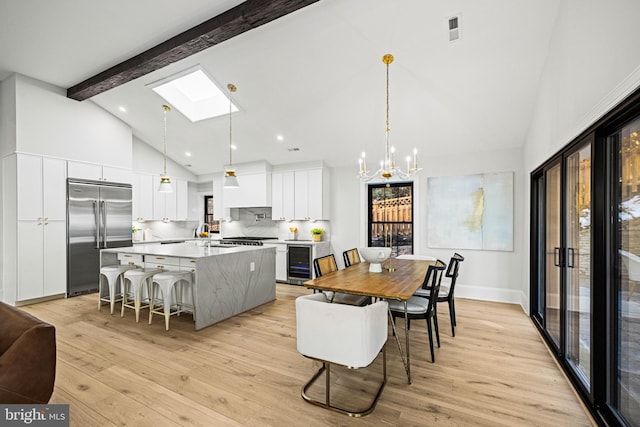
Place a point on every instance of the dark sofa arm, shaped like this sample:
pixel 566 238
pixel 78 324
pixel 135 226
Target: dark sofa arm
pixel 28 367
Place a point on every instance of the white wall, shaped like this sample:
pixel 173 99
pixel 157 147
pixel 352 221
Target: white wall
pixel 8 116
pixel 592 65
pixel 50 124
pixel 345 211
pixel 486 275
pixel 149 160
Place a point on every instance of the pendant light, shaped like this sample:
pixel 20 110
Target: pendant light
pixel 230 178
pixel 165 180
pixel 388 167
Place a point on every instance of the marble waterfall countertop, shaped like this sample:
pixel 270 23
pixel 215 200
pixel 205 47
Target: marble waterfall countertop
pixel 183 250
pixel 228 280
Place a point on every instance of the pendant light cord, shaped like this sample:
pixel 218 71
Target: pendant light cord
pixel 165 108
pixel 232 89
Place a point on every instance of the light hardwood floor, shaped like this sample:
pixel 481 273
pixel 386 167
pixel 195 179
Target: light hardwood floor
pixel 246 371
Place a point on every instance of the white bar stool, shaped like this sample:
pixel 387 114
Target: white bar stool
pixel 132 289
pixel 113 274
pixel 168 281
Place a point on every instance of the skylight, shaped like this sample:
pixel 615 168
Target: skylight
pixel 195 95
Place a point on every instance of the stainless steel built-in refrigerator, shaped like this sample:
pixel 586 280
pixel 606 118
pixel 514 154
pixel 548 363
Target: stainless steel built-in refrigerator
pixel 99 216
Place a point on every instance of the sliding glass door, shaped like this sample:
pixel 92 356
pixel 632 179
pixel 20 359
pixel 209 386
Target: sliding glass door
pixel 627 295
pixel 564 243
pixel 553 254
pixel 577 265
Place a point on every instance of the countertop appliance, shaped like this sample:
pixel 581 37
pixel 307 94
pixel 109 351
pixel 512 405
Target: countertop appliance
pixel 98 217
pixel 245 241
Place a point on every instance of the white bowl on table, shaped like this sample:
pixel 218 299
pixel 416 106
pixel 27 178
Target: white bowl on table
pixel 375 257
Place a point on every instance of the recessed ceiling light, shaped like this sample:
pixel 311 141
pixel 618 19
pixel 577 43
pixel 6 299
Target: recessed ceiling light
pixel 123 109
pixel 280 138
pixel 188 154
pixel 194 94
pixel 233 146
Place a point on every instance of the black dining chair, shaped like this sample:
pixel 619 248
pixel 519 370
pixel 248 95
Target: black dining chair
pixel 447 289
pixel 351 256
pixel 327 264
pixel 423 308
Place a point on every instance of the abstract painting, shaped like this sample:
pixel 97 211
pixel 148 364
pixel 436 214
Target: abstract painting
pixel 471 211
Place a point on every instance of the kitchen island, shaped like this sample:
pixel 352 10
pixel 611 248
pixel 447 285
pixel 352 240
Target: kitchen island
pixel 228 280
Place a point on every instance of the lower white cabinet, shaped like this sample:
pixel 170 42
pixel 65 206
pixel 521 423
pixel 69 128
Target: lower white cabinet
pixel 41 259
pixel 281 260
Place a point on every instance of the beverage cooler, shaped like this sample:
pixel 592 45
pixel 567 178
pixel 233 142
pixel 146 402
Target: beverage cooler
pixel 299 264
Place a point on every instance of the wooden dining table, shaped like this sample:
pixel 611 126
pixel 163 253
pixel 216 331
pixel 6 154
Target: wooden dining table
pixel 399 280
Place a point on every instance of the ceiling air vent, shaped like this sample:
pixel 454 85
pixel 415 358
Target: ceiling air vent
pixel 454 30
pixel 294 149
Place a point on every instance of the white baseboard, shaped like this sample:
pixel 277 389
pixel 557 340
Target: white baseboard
pixel 489 294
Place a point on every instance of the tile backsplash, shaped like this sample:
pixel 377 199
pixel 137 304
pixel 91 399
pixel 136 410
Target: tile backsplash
pixel 257 222
pixel 254 222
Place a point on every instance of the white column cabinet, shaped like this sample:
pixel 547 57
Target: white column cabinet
pixel 41 236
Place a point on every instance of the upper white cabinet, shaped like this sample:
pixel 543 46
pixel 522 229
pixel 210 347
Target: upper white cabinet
pixel 142 197
pixel 182 199
pixel 41 188
pixel 301 194
pixel 150 204
pixel 282 195
pixel 96 172
pixel 254 191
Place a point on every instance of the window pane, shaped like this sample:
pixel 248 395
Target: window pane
pixel 391 217
pixel 553 270
pixel 629 267
pixel 578 262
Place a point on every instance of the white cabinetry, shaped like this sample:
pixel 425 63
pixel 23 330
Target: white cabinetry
pixel 149 203
pixel 41 227
pixel 182 199
pixel 301 194
pixel 173 205
pixel 97 172
pixel 282 195
pixel 281 260
pixel 142 197
pixel 254 191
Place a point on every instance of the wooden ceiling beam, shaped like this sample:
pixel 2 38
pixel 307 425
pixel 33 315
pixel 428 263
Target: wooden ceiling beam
pixel 244 17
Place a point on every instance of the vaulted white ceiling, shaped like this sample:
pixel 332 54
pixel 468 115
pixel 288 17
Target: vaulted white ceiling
pixel 314 76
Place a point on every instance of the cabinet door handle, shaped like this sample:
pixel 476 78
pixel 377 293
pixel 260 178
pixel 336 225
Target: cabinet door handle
pixel 159 257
